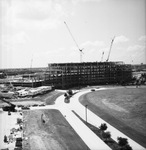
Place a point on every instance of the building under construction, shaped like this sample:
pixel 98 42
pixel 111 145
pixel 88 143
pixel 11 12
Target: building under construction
pixel 66 75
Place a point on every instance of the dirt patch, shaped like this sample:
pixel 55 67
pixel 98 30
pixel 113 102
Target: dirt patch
pixel 49 130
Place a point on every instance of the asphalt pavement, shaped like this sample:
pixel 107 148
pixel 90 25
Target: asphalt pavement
pixel 96 121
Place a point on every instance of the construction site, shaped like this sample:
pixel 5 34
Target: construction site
pixel 67 75
pixel 79 74
pixel 51 108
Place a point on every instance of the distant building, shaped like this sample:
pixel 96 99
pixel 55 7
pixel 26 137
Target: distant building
pixel 139 67
pixel 66 75
pixel 2 75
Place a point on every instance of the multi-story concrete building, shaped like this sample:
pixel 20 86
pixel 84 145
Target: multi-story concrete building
pixel 66 75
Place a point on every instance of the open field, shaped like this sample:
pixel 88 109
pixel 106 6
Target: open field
pixel 124 108
pixel 53 134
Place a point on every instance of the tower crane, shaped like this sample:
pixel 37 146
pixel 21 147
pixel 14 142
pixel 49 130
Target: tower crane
pixel 110 48
pixel 31 62
pixel 102 56
pixel 80 50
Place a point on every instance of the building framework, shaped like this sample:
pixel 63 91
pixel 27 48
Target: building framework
pixel 66 75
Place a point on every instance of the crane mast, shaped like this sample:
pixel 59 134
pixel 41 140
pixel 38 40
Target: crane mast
pixel 80 50
pixel 110 48
pixel 102 56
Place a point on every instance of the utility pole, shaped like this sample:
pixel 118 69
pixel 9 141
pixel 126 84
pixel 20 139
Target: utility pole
pixel 86 106
pixel 80 50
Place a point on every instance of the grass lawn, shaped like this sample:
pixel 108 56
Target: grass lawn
pixel 124 108
pixel 50 98
pixel 54 134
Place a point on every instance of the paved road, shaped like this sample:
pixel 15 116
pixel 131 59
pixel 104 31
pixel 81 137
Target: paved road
pixel 84 132
pixel 92 141
pixel 96 121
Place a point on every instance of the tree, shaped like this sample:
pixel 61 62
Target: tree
pixel 19 120
pixel 103 127
pixel 122 141
pixel 5 139
pixel 65 95
pixel 126 147
pixel 106 135
pixel 70 92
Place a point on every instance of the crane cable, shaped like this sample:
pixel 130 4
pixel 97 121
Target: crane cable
pixel 81 50
pixel 71 35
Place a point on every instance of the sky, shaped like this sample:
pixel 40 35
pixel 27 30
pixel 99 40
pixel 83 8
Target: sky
pixel 33 32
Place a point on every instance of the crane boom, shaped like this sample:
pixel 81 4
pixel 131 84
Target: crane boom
pixel 8 108
pixel 110 48
pixel 8 102
pixel 81 50
pixel 71 35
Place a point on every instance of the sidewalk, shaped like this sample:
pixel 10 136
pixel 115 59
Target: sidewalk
pixel 96 121
pixel 91 140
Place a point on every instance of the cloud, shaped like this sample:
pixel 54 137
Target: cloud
pixel 38 14
pixel 138 56
pixel 13 49
pixel 120 39
pixel 90 0
pixel 40 9
pixel 136 48
pixel 59 55
pixel 142 38
pixel 15 39
pixel 35 14
pixel 84 1
pixel 93 44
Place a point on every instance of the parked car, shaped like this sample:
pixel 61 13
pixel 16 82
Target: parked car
pixel 25 107
pixel 92 90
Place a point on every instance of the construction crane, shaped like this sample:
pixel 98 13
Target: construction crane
pixel 8 108
pixel 110 48
pixel 102 56
pixel 31 62
pixel 80 50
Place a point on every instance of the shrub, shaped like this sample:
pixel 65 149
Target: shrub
pixel 122 141
pixel 70 92
pixel 19 121
pixel 106 135
pixel 126 147
pixel 65 95
pixel 103 127
pixel 5 139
